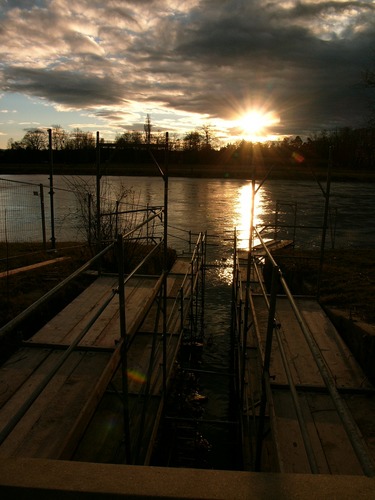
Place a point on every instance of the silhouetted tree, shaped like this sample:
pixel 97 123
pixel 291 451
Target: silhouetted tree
pixel 35 139
pixel 147 128
pixel 193 141
pixel 60 138
pixel 81 140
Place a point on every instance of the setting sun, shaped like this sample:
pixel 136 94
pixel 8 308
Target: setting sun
pixel 255 124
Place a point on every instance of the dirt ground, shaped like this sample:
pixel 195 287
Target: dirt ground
pixel 347 278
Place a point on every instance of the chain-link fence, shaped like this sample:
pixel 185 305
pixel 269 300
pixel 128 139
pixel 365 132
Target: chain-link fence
pixel 45 214
pixel 25 213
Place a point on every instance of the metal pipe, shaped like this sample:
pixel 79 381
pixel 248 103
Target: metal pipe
pixel 43 215
pixel 51 191
pixel 143 261
pixel 354 435
pixel 266 366
pixel 301 421
pixel 165 266
pixel 138 226
pixel 351 428
pixel 326 194
pixel 247 292
pixel 305 435
pixel 98 194
pixel 24 314
pixel 124 348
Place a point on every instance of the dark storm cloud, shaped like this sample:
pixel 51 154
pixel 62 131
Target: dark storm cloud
pixel 64 87
pixel 265 55
pixel 304 60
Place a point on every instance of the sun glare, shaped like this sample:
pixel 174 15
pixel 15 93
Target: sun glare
pixel 243 209
pixel 254 126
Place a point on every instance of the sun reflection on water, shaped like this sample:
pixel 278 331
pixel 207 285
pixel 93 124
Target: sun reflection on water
pixel 243 214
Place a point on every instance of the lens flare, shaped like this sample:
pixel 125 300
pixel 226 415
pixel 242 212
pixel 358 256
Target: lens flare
pixel 136 376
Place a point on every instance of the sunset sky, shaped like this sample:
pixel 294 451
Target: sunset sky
pixel 293 67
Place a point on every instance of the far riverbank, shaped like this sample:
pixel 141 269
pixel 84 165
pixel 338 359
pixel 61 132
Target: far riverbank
pixel 286 172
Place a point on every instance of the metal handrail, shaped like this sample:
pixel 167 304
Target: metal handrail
pixel 48 377
pixel 26 312
pixel 22 316
pixel 350 426
pixel 186 282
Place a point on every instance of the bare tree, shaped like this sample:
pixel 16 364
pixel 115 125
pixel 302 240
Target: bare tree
pixel 35 139
pixel 60 137
pixel 81 140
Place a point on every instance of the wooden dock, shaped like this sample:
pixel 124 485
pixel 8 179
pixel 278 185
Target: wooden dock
pixel 284 441
pixel 61 394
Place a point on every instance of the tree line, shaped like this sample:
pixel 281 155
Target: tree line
pixel 350 148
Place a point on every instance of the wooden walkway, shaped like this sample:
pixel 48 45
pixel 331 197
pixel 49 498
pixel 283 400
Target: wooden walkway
pixel 283 446
pixel 67 405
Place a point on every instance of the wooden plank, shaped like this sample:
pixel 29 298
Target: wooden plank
pixel 296 353
pixel 181 266
pixel 43 430
pixel 13 444
pixel 17 371
pixel 105 332
pixel 332 449
pixel 272 246
pixel 345 369
pixel 300 359
pixel 339 359
pixel 100 442
pixel 90 404
pixel 65 325
pixel 292 454
pixel 58 417
pixel 138 361
pixel 340 456
pixel 23 269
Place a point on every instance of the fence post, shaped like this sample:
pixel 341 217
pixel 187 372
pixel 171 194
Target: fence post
pixel 266 366
pixel 89 218
pixel 326 194
pixel 117 215
pixel 98 194
pixel 182 308
pixel 147 228
pixel 51 192
pixel 43 215
pixel 124 346
pixel 276 219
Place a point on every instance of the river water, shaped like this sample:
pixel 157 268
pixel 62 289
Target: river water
pixel 218 206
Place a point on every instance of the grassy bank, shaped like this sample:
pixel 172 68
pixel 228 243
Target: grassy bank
pixel 347 279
